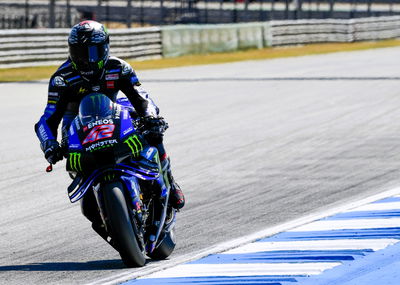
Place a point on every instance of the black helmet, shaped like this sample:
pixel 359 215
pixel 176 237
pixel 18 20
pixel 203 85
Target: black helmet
pixel 89 48
pixel 95 106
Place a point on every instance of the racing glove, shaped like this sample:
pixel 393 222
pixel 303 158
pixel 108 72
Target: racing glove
pixel 153 129
pixel 52 151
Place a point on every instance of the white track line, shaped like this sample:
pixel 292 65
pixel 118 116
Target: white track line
pixel 249 269
pixel 176 260
pixel 330 225
pixel 378 207
pixel 335 244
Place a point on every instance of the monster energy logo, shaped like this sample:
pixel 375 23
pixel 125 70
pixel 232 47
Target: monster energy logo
pixel 101 64
pixel 96 99
pixel 109 177
pixel 134 144
pixel 75 161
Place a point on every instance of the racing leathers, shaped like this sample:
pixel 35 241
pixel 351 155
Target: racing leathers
pixel 66 89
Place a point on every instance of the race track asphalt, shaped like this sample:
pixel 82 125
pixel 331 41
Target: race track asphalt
pixel 253 144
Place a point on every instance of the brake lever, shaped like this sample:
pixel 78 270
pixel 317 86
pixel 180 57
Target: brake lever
pixel 49 168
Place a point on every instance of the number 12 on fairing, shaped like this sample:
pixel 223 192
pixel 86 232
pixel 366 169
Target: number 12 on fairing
pixel 100 132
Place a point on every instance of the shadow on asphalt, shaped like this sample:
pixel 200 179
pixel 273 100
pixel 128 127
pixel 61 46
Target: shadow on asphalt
pixel 67 266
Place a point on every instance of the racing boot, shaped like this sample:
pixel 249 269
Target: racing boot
pixel 176 197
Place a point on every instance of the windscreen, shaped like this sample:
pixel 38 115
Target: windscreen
pixel 95 107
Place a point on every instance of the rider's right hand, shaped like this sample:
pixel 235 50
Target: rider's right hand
pixel 52 151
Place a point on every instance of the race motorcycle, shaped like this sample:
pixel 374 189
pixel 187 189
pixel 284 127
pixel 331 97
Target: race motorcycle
pixel 120 181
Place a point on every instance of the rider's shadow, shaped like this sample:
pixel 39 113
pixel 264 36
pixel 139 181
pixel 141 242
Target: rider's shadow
pixel 67 266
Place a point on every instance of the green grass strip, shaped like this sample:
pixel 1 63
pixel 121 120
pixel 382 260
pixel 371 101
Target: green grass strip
pixel 44 72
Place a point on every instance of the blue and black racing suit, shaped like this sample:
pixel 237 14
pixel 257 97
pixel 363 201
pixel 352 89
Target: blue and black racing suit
pixel 67 87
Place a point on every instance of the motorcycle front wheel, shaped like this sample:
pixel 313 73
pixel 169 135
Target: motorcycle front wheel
pixel 121 226
pixel 165 248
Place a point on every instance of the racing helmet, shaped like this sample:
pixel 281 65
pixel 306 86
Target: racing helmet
pixel 89 47
pixel 95 106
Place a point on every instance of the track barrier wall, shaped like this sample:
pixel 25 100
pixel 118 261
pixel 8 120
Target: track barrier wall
pixel 20 48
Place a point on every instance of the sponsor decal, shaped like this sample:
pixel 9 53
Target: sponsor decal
pixel 126 70
pixel 101 145
pixel 100 122
pixel 42 133
pixel 114 76
pixel 110 84
pixel 66 74
pixel 99 132
pixel 109 177
pixel 86 72
pixel 134 144
pixel 54 94
pixel 127 131
pixel 77 124
pixel 74 146
pixel 98 37
pixel 59 81
pixel 74 160
pixel 96 88
pixel 100 64
pixel 51 102
pixel 82 90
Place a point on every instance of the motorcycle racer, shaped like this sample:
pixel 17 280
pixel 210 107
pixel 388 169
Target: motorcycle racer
pixel 88 69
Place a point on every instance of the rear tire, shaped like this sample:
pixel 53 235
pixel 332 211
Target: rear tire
pixel 121 226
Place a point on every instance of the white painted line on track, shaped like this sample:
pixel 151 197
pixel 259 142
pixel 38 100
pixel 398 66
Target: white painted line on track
pixel 174 261
pixel 337 244
pixel 377 207
pixel 329 225
pixel 252 269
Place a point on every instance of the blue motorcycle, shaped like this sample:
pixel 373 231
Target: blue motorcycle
pixel 119 180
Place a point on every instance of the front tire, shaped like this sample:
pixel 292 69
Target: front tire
pixel 165 248
pixel 121 226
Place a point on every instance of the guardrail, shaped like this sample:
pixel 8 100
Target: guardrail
pixel 191 39
pixel 330 30
pixel 49 46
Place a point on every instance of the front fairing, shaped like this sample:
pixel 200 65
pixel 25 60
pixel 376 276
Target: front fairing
pixel 145 168
pixel 104 142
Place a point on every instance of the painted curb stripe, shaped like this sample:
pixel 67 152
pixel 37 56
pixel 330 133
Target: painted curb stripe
pixel 388 200
pixel 344 244
pixel 271 232
pixel 367 215
pixel 357 234
pixel 288 256
pixel 222 280
pixel 377 207
pixel 304 251
pixel 254 269
pixel 325 225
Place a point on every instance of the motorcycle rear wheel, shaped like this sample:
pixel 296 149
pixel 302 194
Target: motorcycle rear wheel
pixel 121 226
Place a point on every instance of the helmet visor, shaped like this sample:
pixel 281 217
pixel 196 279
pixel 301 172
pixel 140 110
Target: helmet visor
pixel 85 56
